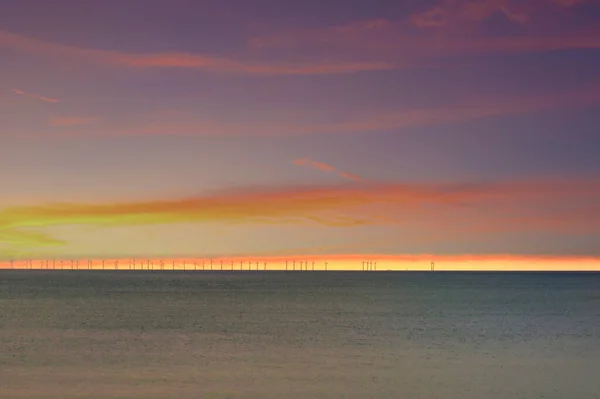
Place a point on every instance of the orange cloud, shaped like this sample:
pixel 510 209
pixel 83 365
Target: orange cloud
pixel 35 96
pixel 326 168
pixel 62 121
pixel 183 60
pixel 450 209
pixel 318 165
pixel 350 176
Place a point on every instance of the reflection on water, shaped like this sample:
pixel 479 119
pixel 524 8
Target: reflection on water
pixel 303 335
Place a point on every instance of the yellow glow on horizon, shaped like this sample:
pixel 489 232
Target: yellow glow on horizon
pixel 361 262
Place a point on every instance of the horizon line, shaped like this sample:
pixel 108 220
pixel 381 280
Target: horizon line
pixel 349 262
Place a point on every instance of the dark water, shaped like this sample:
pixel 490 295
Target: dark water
pixel 66 334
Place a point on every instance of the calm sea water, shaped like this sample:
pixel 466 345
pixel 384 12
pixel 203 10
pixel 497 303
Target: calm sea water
pixel 305 335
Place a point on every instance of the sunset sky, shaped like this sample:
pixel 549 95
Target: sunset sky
pixel 444 129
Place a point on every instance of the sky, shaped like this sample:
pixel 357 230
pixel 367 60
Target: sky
pixel 460 131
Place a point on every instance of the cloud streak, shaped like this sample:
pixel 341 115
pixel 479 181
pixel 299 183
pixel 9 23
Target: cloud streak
pixel 183 60
pixel 326 168
pixel 373 121
pixel 460 12
pixel 472 209
pixel 34 96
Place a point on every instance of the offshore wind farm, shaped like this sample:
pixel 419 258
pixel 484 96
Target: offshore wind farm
pixel 187 264
pixel 374 262
pixel 300 199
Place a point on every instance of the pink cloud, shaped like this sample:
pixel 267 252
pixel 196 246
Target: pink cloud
pixel 448 28
pixel 452 12
pixel 35 96
pixel 183 60
pixel 350 176
pixel 318 165
pixel 326 168
pixel 468 110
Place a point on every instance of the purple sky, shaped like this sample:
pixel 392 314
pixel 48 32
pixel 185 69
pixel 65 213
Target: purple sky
pixel 110 107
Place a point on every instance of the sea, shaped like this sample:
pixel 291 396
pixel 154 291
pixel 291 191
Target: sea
pixel 298 335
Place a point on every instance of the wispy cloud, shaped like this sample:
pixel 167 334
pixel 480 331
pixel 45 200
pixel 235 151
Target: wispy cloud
pixel 184 60
pixel 566 206
pixel 459 12
pixel 369 121
pixel 451 27
pixel 326 168
pixel 34 96
pixel 452 13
